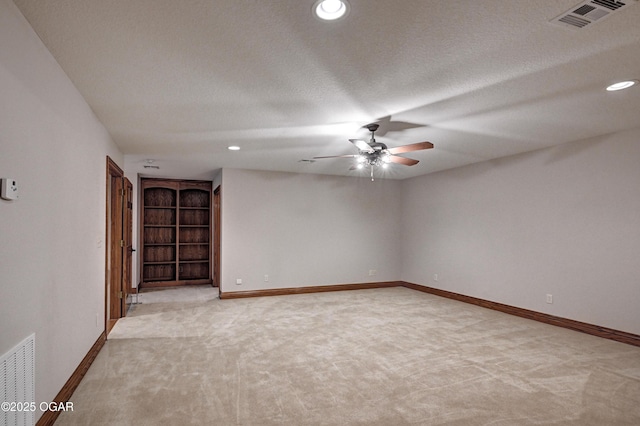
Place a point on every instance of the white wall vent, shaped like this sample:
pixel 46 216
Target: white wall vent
pixel 17 381
pixel 589 12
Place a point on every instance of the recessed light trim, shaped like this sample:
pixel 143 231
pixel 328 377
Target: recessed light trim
pixel 330 10
pixel 621 85
pixel 233 148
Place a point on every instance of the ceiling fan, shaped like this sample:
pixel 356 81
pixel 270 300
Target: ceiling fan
pixel 376 154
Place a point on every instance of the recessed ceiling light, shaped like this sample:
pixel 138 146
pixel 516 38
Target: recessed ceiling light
pixel 330 10
pixel 622 85
pixel 233 148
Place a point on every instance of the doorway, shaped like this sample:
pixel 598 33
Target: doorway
pixel 216 238
pixel 127 237
pixel 118 244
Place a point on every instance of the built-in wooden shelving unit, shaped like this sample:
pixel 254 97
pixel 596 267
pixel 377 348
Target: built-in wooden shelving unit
pixel 176 231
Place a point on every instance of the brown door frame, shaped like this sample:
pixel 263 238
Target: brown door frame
pixel 115 297
pixel 127 237
pixel 217 198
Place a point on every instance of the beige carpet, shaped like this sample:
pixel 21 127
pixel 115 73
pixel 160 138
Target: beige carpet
pixel 369 357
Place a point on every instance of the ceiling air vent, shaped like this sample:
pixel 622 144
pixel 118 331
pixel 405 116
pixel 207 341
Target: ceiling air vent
pixel 589 12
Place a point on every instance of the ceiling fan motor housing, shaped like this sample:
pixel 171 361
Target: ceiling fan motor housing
pixel 378 146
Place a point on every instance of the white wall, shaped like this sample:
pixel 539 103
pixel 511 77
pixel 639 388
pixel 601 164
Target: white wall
pixel 52 255
pixel 563 221
pixel 307 230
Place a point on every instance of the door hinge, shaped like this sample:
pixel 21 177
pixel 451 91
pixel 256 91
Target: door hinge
pixel 119 295
pixel 121 243
pixel 122 192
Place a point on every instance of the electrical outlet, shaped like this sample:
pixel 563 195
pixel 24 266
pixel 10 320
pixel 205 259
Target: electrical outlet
pixel 435 277
pixel 266 278
pixel 238 281
pixel 9 189
pixel 549 298
pixel 372 272
pixel 97 319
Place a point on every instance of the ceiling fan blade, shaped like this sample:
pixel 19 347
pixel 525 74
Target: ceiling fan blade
pixel 337 156
pixel 402 160
pixel 409 148
pixel 388 125
pixel 362 145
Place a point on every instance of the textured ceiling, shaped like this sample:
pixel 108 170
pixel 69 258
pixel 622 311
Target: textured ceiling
pixel 179 81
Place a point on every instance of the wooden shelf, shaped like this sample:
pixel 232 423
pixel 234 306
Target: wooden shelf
pixel 166 280
pixel 175 232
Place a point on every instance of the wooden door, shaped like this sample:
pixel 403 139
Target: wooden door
pixel 216 237
pixel 127 237
pixel 114 308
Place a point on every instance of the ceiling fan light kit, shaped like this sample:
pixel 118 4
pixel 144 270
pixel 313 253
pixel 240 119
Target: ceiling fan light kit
pixel 376 154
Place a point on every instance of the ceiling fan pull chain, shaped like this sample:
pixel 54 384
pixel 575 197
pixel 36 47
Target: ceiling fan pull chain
pixel 371 173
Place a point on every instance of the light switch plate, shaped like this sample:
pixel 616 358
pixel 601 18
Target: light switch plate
pixel 9 189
